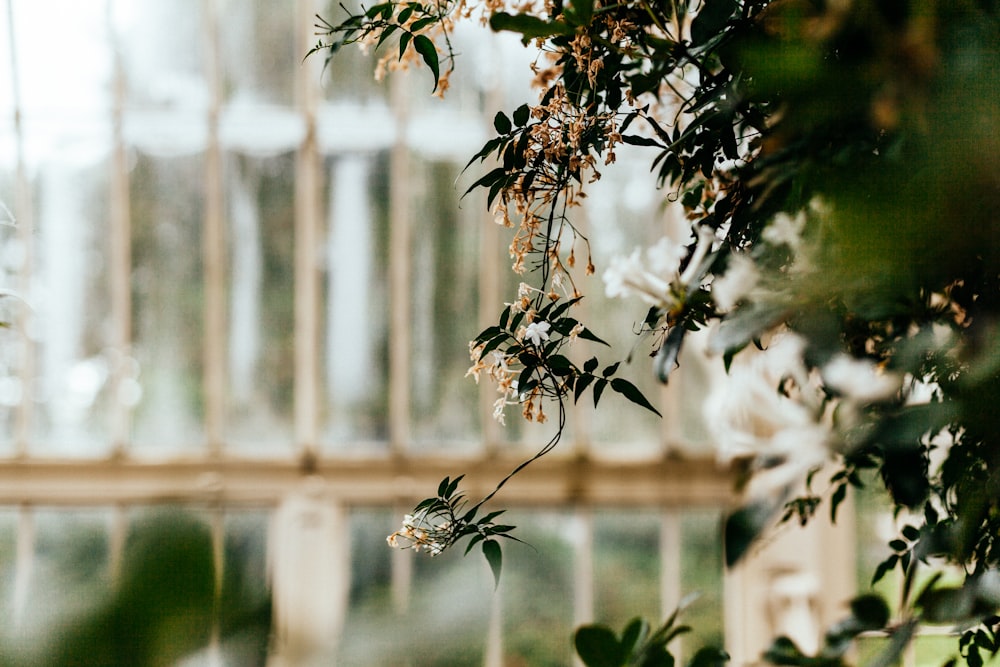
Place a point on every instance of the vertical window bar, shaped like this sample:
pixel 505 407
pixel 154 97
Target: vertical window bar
pixel 399 274
pixel 307 216
pixel 117 533
pixel 121 262
pixel 583 569
pixel 670 570
pixel 494 632
pixel 24 563
pixel 217 525
pixel 24 214
pixel 214 248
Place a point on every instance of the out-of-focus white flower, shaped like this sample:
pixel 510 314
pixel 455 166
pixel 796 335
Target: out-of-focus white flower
pixel 694 270
pixel 629 276
pixel 656 277
pixel 537 332
pixel 751 417
pixel 785 230
pixel 859 379
pixel 740 278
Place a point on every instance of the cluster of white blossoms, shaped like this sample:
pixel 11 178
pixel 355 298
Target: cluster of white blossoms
pixel 774 412
pixel 655 277
pixel 419 534
pixel 737 283
pixel 496 365
pixel 769 410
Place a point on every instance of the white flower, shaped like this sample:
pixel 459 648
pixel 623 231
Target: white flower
pixel 740 278
pixel 651 279
pixel 785 230
pixel 695 270
pixel 626 276
pixel 498 413
pixel 750 417
pixel 656 279
pixel 537 332
pixel 859 379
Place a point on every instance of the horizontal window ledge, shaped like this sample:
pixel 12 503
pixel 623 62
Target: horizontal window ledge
pixel 380 481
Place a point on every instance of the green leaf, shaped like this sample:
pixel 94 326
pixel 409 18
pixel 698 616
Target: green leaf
pixel 528 26
pixel 404 41
pixel 745 525
pixel 501 123
pixel 582 11
pixel 521 115
pixel 598 646
pixel 839 494
pixel 587 334
pixel 743 325
pixel 476 539
pixel 884 567
pixel 386 34
pixel 636 140
pixel 898 545
pixel 871 611
pixel 380 8
pixel 632 393
pixel 581 385
pixel 634 635
pixel 489 178
pixel 453 486
pixel 420 24
pixel 491 549
pixel 599 389
pixel 783 651
pixel 709 656
pixel 425 47
pixel 666 357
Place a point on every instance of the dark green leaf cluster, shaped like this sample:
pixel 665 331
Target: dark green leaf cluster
pixel 438 523
pixel 545 370
pixel 407 21
pixel 639 646
pixel 869 613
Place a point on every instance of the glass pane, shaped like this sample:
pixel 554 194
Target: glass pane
pixel 260 51
pixel 355 322
pixel 164 68
pixel 167 202
pixel 370 614
pixel 8 564
pixel 537 590
pixel 13 309
pixel 447 615
pixel 70 566
pixel 622 209
pixel 245 587
pixel 70 295
pixel 261 209
pixel 444 305
pixel 71 74
pixel 7 101
pixel 626 567
pixel 350 75
pixel 701 573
